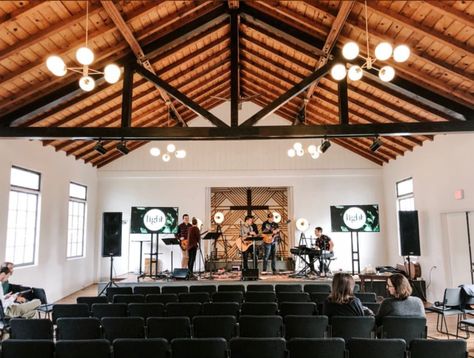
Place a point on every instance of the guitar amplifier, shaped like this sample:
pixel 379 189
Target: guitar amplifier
pixel 250 275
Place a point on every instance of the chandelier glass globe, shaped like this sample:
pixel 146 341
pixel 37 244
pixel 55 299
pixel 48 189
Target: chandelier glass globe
pixel 401 53
pixel 312 149
pixel 291 153
pixel 166 157
pixel 56 65
pixel 297 146
pixel 350 50
pixel 171 148
pixel 84 56
pixel 180 154
pixel 155 152
pixel 355 73
pixel 87 83
pixel 315 155
pixel 112 73
pixel 300 152
pixel 338 72
pixel 383 51
pixel 387 73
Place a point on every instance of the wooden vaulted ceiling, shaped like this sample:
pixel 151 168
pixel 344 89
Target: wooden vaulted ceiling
pixel 198 62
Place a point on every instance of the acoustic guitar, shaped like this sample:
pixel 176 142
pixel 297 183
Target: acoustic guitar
pixel 270 237
pixel 243 244
pixel 183 244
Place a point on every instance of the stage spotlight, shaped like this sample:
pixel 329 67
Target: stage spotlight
pixel 218 218
pixel 302 224
pixel 99 147
pixel 325 144
pixel 122 148
pixel 376 144
pixel 276 217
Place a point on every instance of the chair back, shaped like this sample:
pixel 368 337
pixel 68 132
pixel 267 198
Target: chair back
pixel 31 328
pixel 260 326
pixel 146 310
pixel 260 296
pixel 210 289
pixel 298 308
pixel 168 327
pixel 348 327
pixel 318 287
pixel 199 297
pixel 231 288
pixel 123 327
pixel 70 310
pixel 199 348
pixel 101 310
pixel 404 327
pixel 175 289
pixel 112 291
pixel 260 287
pixel 97 348
pixel 321 348
pixel 376 348
pixel 91 300
pixel 288 288
pixel 221 308
pixel 366 296
pixel 293 297
pixel 78 328
pixel 257 348
pixel 214 326
pixel 439 348
pixel 228 296
pixel 305 326
pixel 161 298
pixel 135 298
pixel 141 347
pixel 13 348
pixel 183 309
pixel 452 297
pixel 259 308
pixel 146 290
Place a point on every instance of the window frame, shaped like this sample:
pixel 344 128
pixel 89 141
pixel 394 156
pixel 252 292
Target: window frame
pixel 83 239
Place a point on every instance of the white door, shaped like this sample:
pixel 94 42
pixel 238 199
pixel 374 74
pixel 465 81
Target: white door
pixel 458 247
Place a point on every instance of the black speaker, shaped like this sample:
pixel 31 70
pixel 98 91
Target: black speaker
pixel 409 234
pixel 250 274
pixel 181 274
pixel 111 234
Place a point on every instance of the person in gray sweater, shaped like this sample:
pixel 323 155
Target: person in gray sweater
pixel 400 303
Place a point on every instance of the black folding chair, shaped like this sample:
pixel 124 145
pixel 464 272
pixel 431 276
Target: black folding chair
pixel 175 289
pixel 451 306
pixel 141 347
pixel 260 326
pixel 146 310
pixel 374 307
pixel 168 327
pixel 97 348
pixel 146 290
pixel 210 289
pixel 316 347
pixel 221 308
pixel 129 298
pixel 348 327
pixel 259 308
pixel 161 298
pixel 70 310
pixel 112 291
pixel 260 287
pixel 298 308
pixel 305 326
pixel 123 327
pixel 231 288
pixel 366 297
pixel 100 310
pixel 31 328
pixel 199 348
pixel 257 348
pixel 78 328
pixel 184 309
pixel 228 296
pixel 404 327
pixel 91 300
pixel 317 287
pixel 438 348
pixel 214 326
pixel 199 297
pixel 376 348
pixel 293 297
pixel 260 296
pixel 13 348
pixel 288 288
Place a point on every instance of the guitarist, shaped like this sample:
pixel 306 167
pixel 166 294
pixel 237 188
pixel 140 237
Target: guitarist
pixel 182 236
pixel 271 230
pixel 247 229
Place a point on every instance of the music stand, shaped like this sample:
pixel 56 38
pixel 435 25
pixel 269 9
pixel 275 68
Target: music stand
pixel 254 239
pixel 171 241
pixel 211 236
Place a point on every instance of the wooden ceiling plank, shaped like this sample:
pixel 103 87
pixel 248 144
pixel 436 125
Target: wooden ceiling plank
pixel 25 10
pixel 234 65
pixel 446 9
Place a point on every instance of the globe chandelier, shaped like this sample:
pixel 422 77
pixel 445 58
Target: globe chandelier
pixel 85 57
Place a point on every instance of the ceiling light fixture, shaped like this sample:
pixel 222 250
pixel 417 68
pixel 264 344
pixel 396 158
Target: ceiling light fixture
pixel 85 57
pixel 324 146
pixel 99 147
pixel 168 154
pixel 376 144
pixel 314 151
pixel 122 148
pixel 383 51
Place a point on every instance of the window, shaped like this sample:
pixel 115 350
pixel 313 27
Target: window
pixel 76 220
pixel 22 216
pixel 405 197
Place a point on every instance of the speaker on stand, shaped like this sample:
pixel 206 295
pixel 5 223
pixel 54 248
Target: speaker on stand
pixel 111 242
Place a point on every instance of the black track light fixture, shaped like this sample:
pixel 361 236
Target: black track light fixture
pixel 122 148
pixel 376 144
pixel 325 144
pixel 99 147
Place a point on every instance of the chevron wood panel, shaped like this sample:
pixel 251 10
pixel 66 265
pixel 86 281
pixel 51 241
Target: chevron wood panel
pixel 223 199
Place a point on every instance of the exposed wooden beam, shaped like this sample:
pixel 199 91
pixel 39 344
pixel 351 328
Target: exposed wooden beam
pixel 127 34
pixel 233 4
pixel 175 93
pixel 445 8
pixel 234 68
pixel 331 40
pixel 241 132
pixel 287 96
pixel 343 101
pixel 127 94
pixel 26 9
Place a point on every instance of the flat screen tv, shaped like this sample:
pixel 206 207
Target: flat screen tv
pixel 160 220
pixel 360 218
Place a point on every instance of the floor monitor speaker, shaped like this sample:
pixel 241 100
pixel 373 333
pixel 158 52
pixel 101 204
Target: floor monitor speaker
pixel 409 233
pixel 111 234
pixel 181 274
pixel 250 274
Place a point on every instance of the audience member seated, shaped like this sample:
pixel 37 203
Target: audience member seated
pixel 341 301
pixel 15 305
pixel 32 292
pixel 400 303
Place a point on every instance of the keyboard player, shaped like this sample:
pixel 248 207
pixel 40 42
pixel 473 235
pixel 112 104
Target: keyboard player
pixel 326 247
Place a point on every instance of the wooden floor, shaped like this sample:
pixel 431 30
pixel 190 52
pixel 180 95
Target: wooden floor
pixel 431 317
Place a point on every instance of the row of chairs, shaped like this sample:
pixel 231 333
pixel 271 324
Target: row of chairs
pixel 149 289
pixel 227 327
pixel 188 309
pixel 237 348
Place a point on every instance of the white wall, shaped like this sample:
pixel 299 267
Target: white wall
pixel 52 271
pixel 438 168
pixel 337 177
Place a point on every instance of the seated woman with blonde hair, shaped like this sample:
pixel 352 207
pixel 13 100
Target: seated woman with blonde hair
pixel 400 303
pixel 341 301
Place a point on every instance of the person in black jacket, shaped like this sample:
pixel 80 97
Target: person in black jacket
pixel 341 301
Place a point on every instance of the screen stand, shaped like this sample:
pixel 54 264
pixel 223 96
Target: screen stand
pixel 355 251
